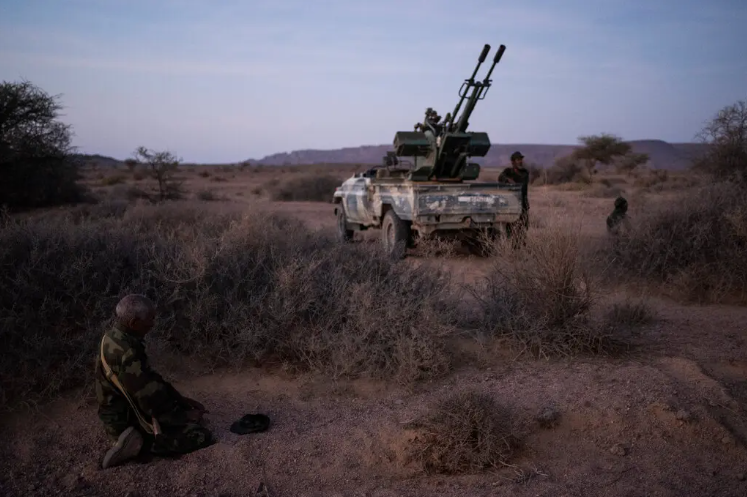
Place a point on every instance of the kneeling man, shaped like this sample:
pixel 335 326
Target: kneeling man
pixel 139 409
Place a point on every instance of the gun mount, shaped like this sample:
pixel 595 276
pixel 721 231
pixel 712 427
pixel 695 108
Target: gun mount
pixel 441 149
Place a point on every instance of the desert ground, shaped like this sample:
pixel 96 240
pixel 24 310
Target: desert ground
pixel 665 415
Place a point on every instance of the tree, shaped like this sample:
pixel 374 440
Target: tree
pixel 37 165
pixel 162 166
pixel 726 139
pixel 629 162
pixel 600 149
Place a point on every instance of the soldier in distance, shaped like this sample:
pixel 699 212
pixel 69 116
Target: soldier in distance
pixel 139 409
pixel 618 221
pixel 518 174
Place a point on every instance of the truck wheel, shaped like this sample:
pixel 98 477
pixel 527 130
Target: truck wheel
pixel 345 235
pixel 395 235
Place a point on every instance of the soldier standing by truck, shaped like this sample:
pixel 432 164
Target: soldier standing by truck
pixel 518 174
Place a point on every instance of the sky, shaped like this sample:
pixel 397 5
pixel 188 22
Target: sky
pixel 228 80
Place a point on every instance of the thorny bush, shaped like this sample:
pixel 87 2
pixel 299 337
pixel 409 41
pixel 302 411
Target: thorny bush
pixel 466 432
pixel 539 296
pixel 695 244
pixel 236 290
pixel 304 188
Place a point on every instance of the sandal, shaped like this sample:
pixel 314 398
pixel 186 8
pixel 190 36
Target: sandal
pixel 251 423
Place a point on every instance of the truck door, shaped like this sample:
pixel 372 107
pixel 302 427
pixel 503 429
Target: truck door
pixel 356 201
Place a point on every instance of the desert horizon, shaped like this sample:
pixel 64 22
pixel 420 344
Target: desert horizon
pixel 435 316
pixel 663 155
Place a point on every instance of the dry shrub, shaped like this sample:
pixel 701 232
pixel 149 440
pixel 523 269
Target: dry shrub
pixel 306 187
pixel 662 181
pixel 651 177
pixel 438 246
pixel 127 192
pixel 696 244
pixel 206 195
pixel 466 432
pixel 631 313
pixel 114 179
pixel 254 290
pixel 604 191
pixel 566 169
pixel 536 223
pixel 540 296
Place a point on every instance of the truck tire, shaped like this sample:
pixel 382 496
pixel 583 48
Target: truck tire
pixel 344 234
pixel 395 235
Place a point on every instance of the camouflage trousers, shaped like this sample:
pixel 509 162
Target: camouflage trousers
pixel 176 438
pixel 180 439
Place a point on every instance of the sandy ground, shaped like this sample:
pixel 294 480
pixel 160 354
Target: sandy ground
pixel 667 419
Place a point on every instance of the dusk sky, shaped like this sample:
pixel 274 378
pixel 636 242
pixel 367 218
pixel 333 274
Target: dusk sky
pixel 223 81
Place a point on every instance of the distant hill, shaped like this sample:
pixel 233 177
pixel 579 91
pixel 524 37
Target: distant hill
pixel 99 160
pixel 663 155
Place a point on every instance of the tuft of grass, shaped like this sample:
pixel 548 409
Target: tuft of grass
pixel 255 290
pixel 466 432
pixel 304 188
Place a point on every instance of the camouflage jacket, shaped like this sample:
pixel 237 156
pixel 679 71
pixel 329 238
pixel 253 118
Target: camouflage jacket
pixel 509 175
pixel 617 220
pixel 155 397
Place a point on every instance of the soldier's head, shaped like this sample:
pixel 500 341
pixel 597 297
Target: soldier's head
pixel 137 313
pixel 621 205
pixel 517 160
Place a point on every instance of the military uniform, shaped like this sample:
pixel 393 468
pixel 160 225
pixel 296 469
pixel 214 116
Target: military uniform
pixel 520 176
pixel 618 217
pixel 154 397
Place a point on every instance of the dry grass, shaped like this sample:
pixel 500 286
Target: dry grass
pixel 114 179
pixel 237 290
pixel 263 290
pixel 631 313
pixel 539 297
pixel 466 432
pixel 304 187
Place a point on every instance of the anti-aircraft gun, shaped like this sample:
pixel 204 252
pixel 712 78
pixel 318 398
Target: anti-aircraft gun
pixel 441 150
pixel 436 193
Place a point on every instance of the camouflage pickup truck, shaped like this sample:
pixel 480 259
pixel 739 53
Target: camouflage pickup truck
pixel 404 209
pixel 437 191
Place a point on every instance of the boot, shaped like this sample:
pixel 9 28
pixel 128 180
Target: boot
pixel 128 446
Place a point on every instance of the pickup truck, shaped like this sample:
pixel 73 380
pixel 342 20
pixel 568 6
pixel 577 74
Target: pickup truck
pixel 405 210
